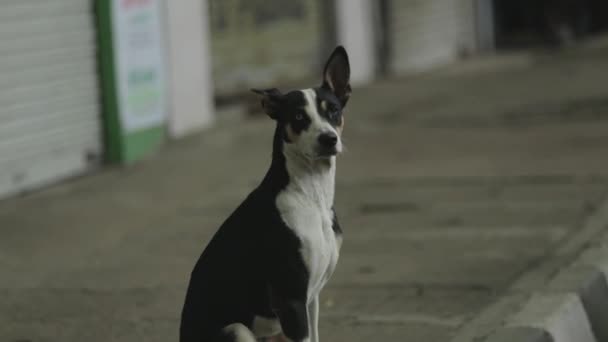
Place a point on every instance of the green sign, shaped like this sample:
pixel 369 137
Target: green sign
pixel 133 75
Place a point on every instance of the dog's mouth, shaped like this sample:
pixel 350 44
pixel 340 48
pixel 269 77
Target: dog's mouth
pixel 325 152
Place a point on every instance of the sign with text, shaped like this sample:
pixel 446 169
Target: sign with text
pixel 139 63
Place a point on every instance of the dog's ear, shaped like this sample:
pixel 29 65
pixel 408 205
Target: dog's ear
pixel 270 101
pixel 336 75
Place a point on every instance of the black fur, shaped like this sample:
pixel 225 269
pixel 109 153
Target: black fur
pixel 293 104
pixel 336 75
pixel 333 111
pixel 336 225
pixel 253 266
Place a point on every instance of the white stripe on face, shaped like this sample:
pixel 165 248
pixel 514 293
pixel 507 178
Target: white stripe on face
pixel 309 138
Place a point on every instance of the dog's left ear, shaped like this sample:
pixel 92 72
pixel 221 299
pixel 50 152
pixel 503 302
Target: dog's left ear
pixel 336 76
pixel 270 101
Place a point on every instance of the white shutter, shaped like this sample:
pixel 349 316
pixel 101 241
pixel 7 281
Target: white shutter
pixel 49 99
pixel 427 33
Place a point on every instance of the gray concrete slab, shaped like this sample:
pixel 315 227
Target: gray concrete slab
pixel 448 193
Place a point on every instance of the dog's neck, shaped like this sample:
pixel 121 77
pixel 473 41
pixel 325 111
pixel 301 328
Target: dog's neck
pixel 315 178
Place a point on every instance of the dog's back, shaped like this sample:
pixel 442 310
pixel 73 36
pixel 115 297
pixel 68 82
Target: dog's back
pixel 229 275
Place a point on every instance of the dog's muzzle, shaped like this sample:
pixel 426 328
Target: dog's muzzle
pixel 328 143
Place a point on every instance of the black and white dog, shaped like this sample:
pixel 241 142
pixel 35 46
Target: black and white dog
pixel 260 276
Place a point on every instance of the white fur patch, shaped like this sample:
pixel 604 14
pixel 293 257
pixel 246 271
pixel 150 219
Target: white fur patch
pixel 265 327
pixel 241 333
pixel 306 207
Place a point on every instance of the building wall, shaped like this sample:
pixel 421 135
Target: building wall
pixel 428 33
pixel 263 43
pixel 355 22
pixel 189 59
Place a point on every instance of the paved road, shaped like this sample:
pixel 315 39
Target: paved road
pixel 454 184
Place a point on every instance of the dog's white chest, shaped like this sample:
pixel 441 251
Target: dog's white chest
pixel 306 209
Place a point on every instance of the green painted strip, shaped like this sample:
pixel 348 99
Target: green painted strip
pixel 141 143
pixel 110 115
pixel 121 146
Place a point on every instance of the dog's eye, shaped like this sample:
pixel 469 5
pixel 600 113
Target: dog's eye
pixel 299 116
pixel 333 113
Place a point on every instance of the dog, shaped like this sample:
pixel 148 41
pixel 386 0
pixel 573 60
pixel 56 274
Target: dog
pixel 260 276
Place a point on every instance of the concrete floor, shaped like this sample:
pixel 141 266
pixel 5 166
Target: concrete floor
pixel 454 184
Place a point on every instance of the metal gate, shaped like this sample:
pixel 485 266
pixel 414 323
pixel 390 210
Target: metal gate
pixel 49 108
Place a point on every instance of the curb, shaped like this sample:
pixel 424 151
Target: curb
pixel 593 287
pixel 562 299
pixel 550 317
pixel 573 307
pixel 520 334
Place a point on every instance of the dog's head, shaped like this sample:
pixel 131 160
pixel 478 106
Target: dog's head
pixel 310 120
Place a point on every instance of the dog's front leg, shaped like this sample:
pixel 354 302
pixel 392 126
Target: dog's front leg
pixel 294 319
pixel 313 319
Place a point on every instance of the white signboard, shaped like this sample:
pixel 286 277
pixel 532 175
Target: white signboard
pixel 139 63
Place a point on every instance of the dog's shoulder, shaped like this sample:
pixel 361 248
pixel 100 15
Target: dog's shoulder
pixel 255 223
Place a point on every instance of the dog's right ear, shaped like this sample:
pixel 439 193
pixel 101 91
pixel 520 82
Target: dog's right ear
pixel 336 75
pixel 270 101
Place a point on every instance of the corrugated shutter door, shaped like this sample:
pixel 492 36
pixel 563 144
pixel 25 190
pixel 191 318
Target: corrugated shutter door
pixel 427 33
pixel 49 106
pixel 263 43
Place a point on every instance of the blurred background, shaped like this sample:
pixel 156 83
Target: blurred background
pixel 476 134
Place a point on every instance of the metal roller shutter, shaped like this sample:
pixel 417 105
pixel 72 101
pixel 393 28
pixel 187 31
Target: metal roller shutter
pixel 427 33
pixel 49 102
pixel 262 43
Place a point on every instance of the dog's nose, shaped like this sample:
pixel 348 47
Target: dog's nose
pixel 328 139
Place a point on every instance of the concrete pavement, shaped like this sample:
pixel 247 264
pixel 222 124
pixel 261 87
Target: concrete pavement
pixel 455 186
